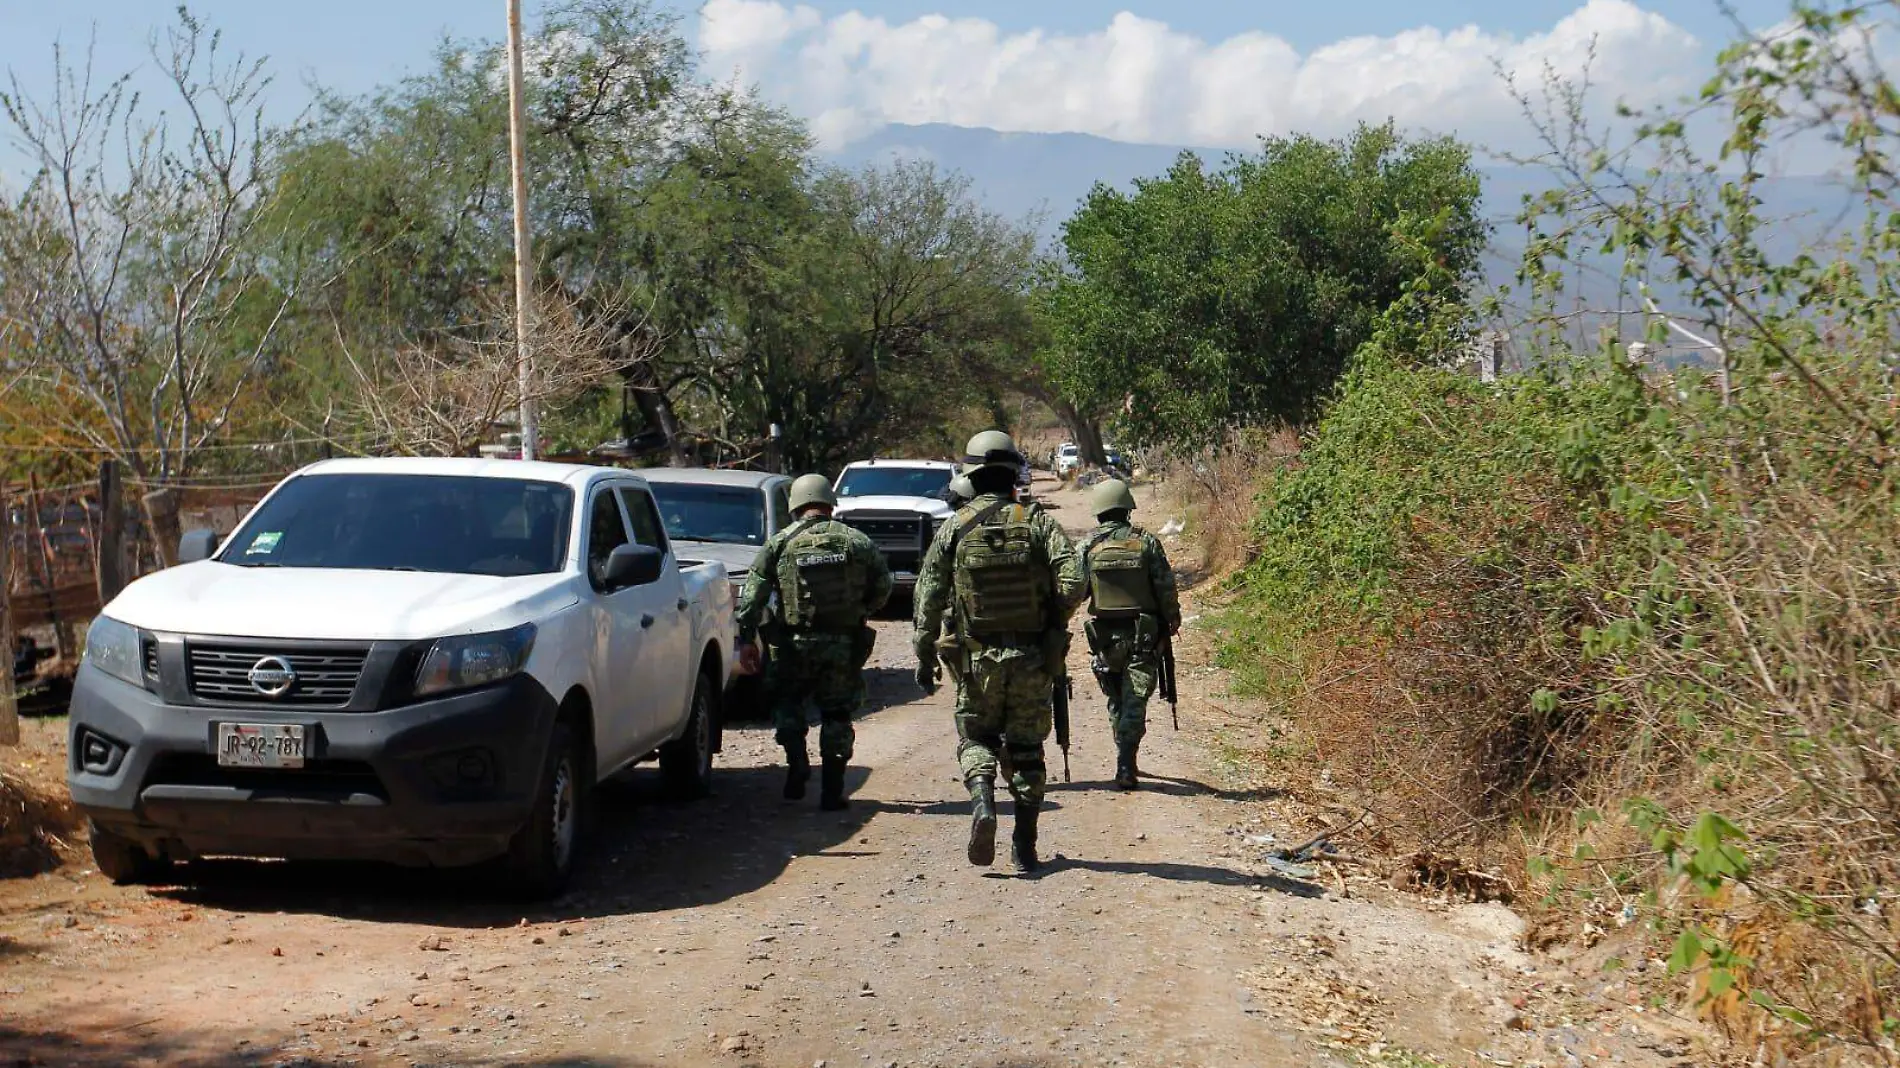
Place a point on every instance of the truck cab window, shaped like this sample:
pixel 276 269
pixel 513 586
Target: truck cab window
pixel 606 531
pixel 648 530
pixel 782 504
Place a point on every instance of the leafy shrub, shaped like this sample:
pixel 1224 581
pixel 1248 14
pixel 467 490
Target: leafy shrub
pixel 1605 611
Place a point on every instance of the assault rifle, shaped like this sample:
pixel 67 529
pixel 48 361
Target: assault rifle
pixel 1167 679
pixel 1063 690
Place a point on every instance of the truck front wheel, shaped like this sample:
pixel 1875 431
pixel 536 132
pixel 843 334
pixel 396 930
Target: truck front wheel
pixel 686 764
pixel 542 856
pixel 124 861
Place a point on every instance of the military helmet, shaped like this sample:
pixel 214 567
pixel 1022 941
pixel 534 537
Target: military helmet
pixel 808 490
pixel 1112 495
pixel 991 448
pixel 961 491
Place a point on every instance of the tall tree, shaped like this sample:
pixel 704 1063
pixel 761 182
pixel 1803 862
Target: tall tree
pixel 1204 300
pixel 752 287
pixel 141 306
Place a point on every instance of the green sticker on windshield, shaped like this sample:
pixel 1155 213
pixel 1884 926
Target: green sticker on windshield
pixel 265 542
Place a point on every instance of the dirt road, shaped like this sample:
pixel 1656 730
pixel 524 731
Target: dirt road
pixel 745 930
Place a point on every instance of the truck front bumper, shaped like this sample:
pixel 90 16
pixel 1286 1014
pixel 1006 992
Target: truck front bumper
pixel 439 782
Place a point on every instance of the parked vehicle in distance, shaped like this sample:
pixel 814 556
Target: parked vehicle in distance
pixel 727 516
pixel 1068 459
pixel 899 504
pixel 424 661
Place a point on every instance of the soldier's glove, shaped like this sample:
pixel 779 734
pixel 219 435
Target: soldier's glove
pixel 927 666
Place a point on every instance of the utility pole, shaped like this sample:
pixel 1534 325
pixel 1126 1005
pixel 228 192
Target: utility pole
pixel 524 260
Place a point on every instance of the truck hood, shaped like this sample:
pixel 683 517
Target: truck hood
pixel 925 505
pixel 737 559
pixel 250 602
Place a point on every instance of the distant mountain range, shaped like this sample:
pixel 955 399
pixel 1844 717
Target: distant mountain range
pixel 1044 177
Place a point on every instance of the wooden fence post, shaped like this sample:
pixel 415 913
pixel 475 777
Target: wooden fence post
pixel 161 509
pixel 110 570
pixel 9 704
pixel 40 558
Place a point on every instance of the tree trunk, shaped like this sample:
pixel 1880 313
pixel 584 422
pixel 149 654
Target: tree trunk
pixel 1086 431
pixel 649 394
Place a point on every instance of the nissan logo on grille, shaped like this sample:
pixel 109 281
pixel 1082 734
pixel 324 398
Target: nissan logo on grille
pixel 272 676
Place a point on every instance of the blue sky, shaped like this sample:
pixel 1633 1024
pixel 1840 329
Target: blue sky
pixel 1186 71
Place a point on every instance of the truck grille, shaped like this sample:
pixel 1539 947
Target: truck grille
pixel 902 537
pixel 325 677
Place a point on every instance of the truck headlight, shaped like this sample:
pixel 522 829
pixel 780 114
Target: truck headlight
pixel 116 649
pixel 470 660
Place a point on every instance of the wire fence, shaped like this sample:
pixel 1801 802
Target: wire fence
pixel 57 536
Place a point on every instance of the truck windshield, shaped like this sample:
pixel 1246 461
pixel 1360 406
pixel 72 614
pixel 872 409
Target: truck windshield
pixel 448 524
pixel 733 515
pixel 894 482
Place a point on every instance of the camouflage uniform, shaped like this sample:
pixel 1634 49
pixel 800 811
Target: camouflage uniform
pixel 1005 679
pixel 818 650
pixel 1127 648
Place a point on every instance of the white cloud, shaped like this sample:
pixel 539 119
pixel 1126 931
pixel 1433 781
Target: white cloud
pixel 1139 80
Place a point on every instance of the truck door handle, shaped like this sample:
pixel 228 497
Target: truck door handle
pixel 646 621
pixel 680 604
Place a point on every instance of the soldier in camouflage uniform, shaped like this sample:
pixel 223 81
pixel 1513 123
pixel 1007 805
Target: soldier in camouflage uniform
pixel 1009 579
pixel 829 579
pixel 1132 600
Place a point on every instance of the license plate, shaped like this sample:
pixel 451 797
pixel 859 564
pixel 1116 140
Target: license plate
pixel 260 745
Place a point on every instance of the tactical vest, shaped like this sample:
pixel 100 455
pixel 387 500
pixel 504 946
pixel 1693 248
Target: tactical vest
pixel 1119 585
pixel 1001 586
pixel 820 583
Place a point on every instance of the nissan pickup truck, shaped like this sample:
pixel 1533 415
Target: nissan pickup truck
pixel 425 661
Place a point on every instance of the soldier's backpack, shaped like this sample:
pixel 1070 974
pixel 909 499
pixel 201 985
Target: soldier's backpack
pixel 1002 585
pixel 1119 586
pixel 821 584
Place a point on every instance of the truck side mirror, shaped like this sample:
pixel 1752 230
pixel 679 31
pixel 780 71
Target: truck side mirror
pixel 197 545
pixel 634 565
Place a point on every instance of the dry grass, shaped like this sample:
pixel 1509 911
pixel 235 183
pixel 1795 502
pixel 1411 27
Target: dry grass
pixel 37 819
pixel 1557 690
pixel 1220 485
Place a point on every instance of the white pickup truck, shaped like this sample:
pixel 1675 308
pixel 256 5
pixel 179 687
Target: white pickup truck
pixel 430 662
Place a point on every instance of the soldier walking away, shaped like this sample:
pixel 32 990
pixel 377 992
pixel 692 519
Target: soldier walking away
pixel 1132 606
pixel 829 579
pixel 959 494
pixel 1009 579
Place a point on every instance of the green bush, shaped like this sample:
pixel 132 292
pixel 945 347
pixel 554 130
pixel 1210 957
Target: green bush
pixel 1607 610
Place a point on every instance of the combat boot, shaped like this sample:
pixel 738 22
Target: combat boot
pixel 1125 770
pixel 983 821
pixel 831 785
pixel 797 772
pixel 1024 838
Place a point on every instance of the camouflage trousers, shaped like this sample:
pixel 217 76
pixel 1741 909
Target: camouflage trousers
pixel 1128 694
pixel 1003 706
pixel 1128 672
pixel 820 669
